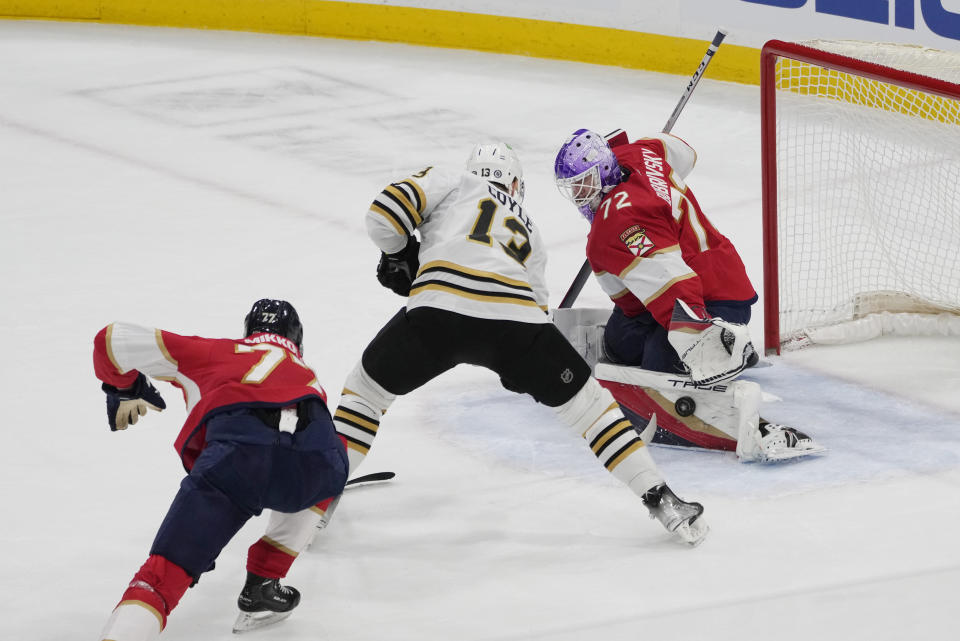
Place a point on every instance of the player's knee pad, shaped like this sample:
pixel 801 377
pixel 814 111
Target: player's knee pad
pixel 360 384
pixel 587 407
pixel 357 417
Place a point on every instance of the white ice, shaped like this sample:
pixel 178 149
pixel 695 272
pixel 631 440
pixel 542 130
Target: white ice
pixel 171 177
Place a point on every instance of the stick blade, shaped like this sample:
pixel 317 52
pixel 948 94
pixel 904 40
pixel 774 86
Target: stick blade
pixel 375 477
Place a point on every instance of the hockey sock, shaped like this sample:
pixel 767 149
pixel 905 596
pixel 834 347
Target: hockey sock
pixel 357 417
pixel 596 416
pixel 286 537
pixel 152 595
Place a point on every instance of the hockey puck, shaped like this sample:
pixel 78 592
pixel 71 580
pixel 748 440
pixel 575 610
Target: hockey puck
pixel 685 406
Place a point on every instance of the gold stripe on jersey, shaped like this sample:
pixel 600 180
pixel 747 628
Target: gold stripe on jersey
pixel 665 250
pixel 620 294
pixel 670 283
pixel 636 261
pixel 416 193
pixel 378 209
pixel 109 343
pixel 163 349
pixel 474 294
pixel 404 200
pixel 473 274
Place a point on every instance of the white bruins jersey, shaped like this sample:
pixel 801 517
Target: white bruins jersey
pixel 480 253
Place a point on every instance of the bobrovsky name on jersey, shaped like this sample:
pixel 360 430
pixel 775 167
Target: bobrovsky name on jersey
pixel 901 13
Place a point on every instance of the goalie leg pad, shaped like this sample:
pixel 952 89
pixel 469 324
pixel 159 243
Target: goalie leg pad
pixel 595 415
pixel 584 328
pixel 709 416
pixel 357 417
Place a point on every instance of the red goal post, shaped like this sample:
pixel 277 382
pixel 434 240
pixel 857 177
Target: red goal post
pixel 861 191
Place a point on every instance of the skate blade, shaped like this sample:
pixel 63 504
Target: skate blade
pixel 694 533
pixel 247 621
pixel 793 453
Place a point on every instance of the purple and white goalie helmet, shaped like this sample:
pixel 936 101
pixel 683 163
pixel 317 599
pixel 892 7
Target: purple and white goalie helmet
pixel 585 170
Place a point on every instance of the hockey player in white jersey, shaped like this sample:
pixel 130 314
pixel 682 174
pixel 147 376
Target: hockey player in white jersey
pixel 476 294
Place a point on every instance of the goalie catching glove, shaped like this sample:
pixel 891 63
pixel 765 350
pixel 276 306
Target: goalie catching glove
pixel 397 271
pixel 711 349
pixel 126 406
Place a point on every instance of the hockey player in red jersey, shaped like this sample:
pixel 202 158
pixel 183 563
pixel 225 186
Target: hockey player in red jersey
pixel 258 435
pixel 681 295
pixel 476 294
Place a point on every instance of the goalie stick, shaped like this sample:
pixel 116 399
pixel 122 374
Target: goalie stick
pixel 584 273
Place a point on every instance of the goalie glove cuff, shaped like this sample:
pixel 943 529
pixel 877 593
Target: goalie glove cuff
pixel 711 349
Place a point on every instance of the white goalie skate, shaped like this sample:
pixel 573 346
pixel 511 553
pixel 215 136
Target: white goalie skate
pixel 782 443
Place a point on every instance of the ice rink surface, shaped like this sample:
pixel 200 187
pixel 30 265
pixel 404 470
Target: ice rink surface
pixel 170 178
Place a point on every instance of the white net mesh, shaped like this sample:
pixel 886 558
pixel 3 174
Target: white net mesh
pixel 868 181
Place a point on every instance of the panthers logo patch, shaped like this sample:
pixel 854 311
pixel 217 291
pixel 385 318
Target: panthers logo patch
pixel 636 240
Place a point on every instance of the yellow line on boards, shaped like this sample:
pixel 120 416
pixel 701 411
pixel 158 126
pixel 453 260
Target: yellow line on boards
pixel 430 27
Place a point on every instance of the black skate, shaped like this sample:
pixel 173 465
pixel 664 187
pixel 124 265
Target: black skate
pixel 676 515
pixel 263 602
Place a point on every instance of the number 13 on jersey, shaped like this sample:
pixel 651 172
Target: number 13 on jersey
pixel 481 231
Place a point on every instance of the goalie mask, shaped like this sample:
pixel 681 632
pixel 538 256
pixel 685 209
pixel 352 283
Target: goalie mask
pixel 585 170
pixel 274 317
pixel 498 163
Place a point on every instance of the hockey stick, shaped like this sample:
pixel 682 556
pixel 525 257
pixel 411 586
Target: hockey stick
pixel 584 273
pixel 371 478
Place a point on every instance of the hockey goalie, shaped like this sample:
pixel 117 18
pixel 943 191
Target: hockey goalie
pixel 677 336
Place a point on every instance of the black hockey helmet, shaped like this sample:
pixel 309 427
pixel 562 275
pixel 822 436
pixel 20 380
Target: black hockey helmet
pixel 276 317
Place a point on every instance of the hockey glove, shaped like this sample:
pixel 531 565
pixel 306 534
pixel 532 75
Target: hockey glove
pixel 711 349
pixel 397 271
pixel 126 406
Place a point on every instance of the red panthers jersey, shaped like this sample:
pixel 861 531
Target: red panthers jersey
pixel 262 370
pixel 650 243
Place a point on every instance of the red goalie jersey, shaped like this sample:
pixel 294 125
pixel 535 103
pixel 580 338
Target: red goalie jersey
pixel 650 242
pixel 262 370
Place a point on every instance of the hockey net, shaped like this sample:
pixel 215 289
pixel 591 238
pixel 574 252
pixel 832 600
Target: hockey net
pixel 861 182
